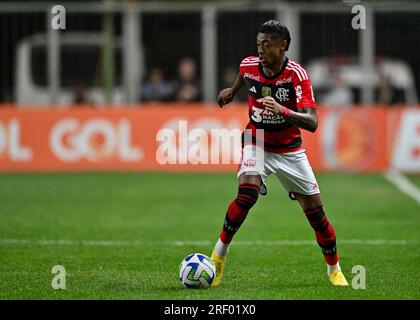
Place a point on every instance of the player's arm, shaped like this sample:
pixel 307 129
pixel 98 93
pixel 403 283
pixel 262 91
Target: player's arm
pixel 227 95
pixel 305 118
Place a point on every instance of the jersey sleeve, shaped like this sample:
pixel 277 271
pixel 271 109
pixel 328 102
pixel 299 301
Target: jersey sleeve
pixel 248 63
pixel 304 94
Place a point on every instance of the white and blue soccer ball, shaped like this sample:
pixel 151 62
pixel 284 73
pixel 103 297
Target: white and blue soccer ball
pixel 197 271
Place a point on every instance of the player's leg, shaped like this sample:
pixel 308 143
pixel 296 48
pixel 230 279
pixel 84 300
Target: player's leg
pixel 249 184
pixel 295 173
pixel 325 234
pixel 247 196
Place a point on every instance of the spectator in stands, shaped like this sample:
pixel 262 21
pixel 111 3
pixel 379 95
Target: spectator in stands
pixel 340 95
pixel 187 83
pixel 80 95
pixel 384 90
pixel 389 95
pixel 156 88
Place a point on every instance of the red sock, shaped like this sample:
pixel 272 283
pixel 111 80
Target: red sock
pixel 325 234
pixel 238 210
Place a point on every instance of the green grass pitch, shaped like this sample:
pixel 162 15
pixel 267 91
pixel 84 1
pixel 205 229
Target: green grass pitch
pixel 142 225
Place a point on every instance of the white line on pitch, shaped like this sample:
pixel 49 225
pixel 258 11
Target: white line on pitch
pixel 403 184
pixel 182 243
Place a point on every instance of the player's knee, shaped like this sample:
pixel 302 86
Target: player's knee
pixel 247 195
pixel 309 202
pixel 252 178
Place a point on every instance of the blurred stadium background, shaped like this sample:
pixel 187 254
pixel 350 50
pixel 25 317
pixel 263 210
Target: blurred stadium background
pixel 91 99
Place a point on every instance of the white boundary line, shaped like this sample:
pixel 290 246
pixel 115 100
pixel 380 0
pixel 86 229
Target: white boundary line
pixel 182 243
pixel 403 184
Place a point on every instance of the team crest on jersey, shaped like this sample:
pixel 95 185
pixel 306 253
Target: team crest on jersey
pixel 282 94
pixel 266 91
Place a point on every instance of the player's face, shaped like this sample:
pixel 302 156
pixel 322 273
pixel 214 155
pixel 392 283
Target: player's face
pixel 270 50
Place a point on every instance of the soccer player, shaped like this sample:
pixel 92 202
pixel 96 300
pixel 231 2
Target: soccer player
pixel 281 102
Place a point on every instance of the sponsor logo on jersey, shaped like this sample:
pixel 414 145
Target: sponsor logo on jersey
pixel 251 76
pixel 282 94
pixel 253 89
pixel 266 91
pixel 265 116
pixel 298 93
pixel 285 80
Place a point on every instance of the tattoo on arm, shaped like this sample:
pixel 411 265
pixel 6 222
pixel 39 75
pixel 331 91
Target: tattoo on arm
pixel 305 118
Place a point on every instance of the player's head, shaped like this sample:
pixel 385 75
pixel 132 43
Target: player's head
pixel 273 41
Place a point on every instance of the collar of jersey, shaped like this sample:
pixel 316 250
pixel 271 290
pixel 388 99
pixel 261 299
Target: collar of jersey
pixel 260 67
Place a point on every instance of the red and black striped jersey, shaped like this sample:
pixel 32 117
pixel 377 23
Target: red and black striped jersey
pixel 290 87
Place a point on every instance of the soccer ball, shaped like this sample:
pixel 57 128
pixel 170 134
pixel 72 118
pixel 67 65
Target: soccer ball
pixel 197 271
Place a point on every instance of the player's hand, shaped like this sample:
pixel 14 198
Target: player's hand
pixel 225 96
pixel 270 104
